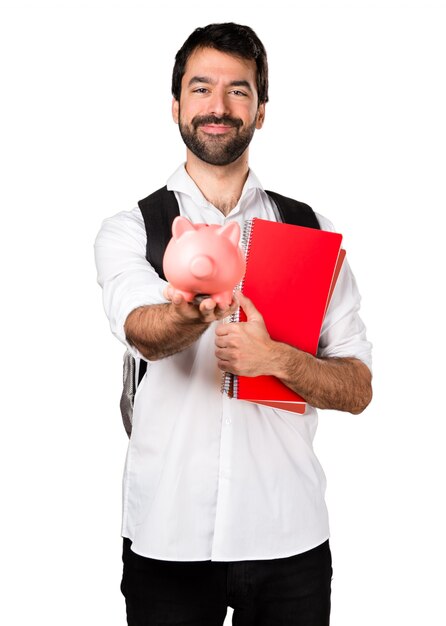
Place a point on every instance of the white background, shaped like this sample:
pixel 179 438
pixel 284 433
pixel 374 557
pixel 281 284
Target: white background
pixel 355 127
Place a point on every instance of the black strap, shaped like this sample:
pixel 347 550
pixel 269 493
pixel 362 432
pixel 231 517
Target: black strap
pixel 158 210
pixel 294 212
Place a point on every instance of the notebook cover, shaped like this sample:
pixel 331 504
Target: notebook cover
pixel 289 277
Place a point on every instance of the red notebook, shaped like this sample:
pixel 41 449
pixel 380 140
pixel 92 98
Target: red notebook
pixel 290 275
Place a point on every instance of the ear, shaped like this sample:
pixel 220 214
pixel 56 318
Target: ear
pixel 260 116
pixel 180 226
pixel 231 231
pixel 175 110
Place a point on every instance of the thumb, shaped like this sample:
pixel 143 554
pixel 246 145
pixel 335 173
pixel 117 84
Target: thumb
pixel 252 314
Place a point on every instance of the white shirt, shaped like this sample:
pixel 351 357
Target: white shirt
pixel 206 476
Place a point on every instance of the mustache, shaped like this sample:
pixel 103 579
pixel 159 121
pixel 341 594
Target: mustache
pixel 225 120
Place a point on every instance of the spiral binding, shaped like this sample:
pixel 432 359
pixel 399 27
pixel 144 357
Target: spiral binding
pixel 230 382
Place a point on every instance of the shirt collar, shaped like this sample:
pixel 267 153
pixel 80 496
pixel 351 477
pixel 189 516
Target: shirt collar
pixel 181 181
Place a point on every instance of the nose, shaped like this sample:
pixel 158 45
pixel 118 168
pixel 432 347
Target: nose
pixel 218 102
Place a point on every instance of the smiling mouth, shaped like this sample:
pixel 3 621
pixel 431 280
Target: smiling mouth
pixel 215 129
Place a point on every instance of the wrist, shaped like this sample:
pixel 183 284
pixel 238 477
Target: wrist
pixel 286 362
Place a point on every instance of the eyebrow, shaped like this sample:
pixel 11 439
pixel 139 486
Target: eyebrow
pixel 210 81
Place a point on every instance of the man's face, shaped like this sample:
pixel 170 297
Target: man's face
pixel 218 112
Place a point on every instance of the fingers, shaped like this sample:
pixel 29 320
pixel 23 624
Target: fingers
pixel 252 314
pixel 172 295
pixel 211 310
pixel 207 310
pixel 204 308
pixel 222 342
pixel 175 297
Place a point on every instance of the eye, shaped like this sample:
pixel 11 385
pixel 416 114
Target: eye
pixel 237 92
pixel 200 90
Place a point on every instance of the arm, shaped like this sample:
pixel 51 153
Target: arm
pixel 160 330
pixel 134 296
pixel 246 349
pixel 343 384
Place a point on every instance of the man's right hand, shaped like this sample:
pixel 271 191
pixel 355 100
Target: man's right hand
pixel 206 311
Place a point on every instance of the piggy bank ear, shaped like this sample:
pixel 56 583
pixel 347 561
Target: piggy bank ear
pixel 231 231
pixel 180 225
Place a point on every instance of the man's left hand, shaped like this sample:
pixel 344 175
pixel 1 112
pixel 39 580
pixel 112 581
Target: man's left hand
pixel 244 348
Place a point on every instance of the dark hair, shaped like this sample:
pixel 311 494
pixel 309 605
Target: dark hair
pixel 231 38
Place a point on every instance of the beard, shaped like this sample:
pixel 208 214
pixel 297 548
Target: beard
pixel 217 149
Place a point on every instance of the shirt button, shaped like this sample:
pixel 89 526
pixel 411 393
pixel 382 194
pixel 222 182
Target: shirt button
pixel 228 420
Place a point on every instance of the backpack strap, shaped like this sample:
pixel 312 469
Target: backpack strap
pixel 158 210
pixel 294 212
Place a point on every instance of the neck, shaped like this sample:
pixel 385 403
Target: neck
pixel 222 185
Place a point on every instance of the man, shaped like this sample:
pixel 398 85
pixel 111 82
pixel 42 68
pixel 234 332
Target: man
pixel 223 500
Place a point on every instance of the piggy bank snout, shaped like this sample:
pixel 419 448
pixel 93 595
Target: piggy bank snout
pixel 202 266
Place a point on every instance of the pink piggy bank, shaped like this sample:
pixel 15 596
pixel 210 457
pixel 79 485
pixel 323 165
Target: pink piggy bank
pixel 204 259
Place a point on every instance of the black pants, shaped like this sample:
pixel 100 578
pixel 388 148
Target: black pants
pixel 294 591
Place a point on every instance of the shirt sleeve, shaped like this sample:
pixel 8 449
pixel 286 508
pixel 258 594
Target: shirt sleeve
pixel 128 281
pixel 343 332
